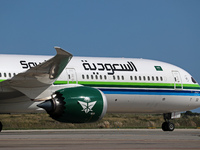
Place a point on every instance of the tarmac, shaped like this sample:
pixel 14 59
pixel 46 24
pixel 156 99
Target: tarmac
pixel 100 139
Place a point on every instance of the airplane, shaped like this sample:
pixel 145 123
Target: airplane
pixel 83 89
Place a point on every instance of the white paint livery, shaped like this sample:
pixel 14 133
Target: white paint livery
pixel 130 85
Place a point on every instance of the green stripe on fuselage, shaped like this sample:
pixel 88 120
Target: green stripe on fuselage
pixel 130 84
pixel 133 84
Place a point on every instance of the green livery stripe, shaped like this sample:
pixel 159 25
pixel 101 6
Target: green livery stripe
pixel 133 84
pixel 191 86
pixel 129 84
pixel 139 85
pixel 126 84
pixel 60 82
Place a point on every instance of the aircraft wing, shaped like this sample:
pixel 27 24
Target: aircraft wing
pixel 40 77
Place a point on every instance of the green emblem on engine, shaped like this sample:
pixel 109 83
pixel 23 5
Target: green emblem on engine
pixel 87 105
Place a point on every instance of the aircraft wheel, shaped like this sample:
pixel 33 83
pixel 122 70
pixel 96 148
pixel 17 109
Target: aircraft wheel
pixel 164 126
pixel 171 126
pixel 1 126
pixel 168 126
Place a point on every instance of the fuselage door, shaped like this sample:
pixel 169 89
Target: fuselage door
pixel 177 80
pixel 71 75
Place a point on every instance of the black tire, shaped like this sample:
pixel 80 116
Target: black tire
pixel 165 126
pixel 1 126
pixel 168 126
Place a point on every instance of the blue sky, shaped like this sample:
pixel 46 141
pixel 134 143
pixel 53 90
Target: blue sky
pixel 166 30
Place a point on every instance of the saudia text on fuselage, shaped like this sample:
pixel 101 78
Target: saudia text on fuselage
pixel 110 68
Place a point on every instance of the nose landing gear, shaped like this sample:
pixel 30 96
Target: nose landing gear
pixel 167 125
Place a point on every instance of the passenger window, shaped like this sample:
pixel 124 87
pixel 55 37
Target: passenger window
pixel 118 78
pixel 122 77
pixel 140 78
pixel 148 78
pixel 161 78
pixel 113 77
pixel 4 74
pixel 9 75
pixel 157 78
pixel 83 77
pixel 105 77
pixel 96 76
pixel 92 77
pixel 136 78
pixel 131 77
pixel 144 78
pixel 0 75
pixel 87 76
pixel 152 78
pixel 101 77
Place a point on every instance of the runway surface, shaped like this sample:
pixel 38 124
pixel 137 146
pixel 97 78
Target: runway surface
pixel 109 139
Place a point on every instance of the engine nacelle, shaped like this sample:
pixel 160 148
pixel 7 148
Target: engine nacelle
pixel 76 105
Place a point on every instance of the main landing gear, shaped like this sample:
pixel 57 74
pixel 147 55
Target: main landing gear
pixel 167 126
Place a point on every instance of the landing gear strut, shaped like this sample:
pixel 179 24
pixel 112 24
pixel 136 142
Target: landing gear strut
pixel 167 126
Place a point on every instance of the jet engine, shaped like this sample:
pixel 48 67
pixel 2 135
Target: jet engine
pixel 76 105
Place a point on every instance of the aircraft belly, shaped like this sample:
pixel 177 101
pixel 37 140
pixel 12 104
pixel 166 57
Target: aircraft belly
pixel 150 103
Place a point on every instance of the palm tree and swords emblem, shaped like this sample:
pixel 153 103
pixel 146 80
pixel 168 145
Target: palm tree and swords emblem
pixel 87 105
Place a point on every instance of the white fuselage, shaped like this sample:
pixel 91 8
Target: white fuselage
pixel 130 85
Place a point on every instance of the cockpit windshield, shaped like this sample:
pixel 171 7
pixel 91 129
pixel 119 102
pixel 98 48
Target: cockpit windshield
pixel 193 80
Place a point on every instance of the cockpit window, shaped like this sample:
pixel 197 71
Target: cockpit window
pixel 193 80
